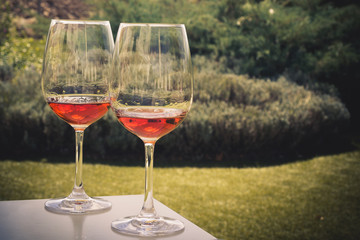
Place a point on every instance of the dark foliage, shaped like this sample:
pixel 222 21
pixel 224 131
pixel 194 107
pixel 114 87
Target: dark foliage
pixel 309 51
pixel 230 114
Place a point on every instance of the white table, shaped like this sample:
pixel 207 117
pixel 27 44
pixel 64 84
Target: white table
pixel 27 219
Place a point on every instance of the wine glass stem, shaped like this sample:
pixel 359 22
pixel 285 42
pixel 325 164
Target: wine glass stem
pixel 79 138
pixel 148 210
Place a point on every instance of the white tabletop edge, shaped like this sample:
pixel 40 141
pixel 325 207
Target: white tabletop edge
pixel 27 219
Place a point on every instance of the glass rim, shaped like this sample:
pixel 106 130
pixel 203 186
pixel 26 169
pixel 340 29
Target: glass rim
pixel 152 24
pixel 74 21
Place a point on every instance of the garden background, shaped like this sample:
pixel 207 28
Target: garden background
pixel 276 91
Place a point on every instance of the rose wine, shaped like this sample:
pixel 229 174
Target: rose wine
pixel 79 111
pixel 150 123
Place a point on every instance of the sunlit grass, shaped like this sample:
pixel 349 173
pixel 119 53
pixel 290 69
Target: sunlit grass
pixel 311 199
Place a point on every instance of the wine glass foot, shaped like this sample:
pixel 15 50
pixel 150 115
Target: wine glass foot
pixel 77 206
pixel 147 227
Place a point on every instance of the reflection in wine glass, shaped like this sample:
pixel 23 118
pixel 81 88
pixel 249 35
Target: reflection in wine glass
pixel 151 92
pixel 75 85
pixel 78 223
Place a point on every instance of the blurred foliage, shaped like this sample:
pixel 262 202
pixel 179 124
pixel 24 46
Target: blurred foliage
pixel 18 54
pixel 259 38
pixel 237 114
pixel 268 77
pixel 29 9
pixel 317 40
pixel 5 20
pixel 231 114
pixel 23 53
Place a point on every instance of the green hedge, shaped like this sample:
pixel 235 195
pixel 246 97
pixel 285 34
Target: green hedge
pixel 237 114
pixel 230 114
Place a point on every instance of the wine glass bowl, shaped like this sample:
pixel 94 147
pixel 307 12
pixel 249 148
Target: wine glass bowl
pixel 151 92
pixel 75 75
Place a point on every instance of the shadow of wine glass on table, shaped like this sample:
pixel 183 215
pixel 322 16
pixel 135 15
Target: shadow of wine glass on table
pixel 78 223
pixel 158 237
pixel 78 232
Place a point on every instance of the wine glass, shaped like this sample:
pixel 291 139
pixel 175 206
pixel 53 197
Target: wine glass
pixel 151 91
pixel 76 68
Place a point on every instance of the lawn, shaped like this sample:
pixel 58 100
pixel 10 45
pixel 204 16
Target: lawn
pixel 316 198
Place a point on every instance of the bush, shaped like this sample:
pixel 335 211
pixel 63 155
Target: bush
pixel 5 20
pixel 230 114
pixel 235 114
pixel 22 53
pixel 28 126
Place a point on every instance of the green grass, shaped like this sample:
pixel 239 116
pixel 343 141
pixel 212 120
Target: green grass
pixel 317 198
